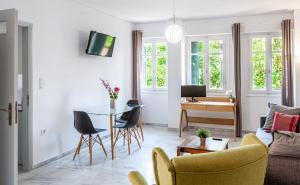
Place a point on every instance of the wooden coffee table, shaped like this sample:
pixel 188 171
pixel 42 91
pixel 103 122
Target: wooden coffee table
pixel 192 145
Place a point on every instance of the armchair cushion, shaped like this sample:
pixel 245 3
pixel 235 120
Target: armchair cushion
pixel 135 178
pixel 164 170
pixel 220 161
pixel 251 150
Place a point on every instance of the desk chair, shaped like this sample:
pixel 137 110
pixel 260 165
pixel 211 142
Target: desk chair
pixel 84 126
pixel 127 128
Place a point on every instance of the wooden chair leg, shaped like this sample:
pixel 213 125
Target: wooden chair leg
pixel 137 131
pixel 101 144
pixel 124 138
pixel 128 140
pixel 142 133
pixel 80 142
pixel 91 148
pixel 137 139
pixel 129 135
pixel 78 147
pixel 114 144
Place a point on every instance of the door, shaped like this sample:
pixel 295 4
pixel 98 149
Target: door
pixel 8 94
pixel 24 159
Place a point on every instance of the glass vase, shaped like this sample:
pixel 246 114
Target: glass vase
pixel 112 103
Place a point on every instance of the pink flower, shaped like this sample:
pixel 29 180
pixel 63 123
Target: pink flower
pixel 117 89
pixel 113 93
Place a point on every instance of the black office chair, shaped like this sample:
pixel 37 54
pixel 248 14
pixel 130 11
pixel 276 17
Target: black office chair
pixel 124 117
pixel 127 128
pixel 84 126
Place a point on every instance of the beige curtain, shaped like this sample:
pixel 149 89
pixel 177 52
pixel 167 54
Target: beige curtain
pixel 287 76
pixel 137 62
pixel 236 37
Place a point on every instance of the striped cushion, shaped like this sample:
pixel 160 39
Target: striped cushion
pixel 285 122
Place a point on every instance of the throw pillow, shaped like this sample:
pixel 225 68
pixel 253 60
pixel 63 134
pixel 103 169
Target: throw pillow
pixel 285 144
pixel 285 122
pixel 278 108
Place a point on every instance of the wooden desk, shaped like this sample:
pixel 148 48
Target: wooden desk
pixel 210 104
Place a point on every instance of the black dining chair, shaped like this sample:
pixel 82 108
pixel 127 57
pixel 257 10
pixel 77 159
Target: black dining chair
pixel 84 126
pixel 127 128
pixel 124 117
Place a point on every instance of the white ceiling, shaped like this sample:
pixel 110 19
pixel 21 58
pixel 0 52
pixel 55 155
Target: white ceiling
pixel 158 10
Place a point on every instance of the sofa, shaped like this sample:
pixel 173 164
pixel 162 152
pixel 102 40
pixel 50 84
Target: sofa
pixel 244 165
pixel 281 170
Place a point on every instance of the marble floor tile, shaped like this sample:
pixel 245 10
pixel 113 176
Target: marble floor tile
pixel 105 171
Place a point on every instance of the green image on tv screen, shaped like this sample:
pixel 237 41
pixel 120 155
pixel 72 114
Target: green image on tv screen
pixel 100 44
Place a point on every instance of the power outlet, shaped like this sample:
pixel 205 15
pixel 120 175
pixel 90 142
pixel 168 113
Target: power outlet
pixel 43 131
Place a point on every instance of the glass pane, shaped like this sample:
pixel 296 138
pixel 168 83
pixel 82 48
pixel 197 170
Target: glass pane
pixel 161 48
pixel 259 71
pixel 277 44
pixel 148 69
pixel 161 71
pixel 198 47
pixel 276 71
pixel 215 46
pixel 258 44
pixel 147 49
pixel 215 71
pixel 197 70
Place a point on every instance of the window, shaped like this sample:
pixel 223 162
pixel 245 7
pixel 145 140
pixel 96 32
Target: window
pixel 155 64
pixel 207 56
pixel 266 63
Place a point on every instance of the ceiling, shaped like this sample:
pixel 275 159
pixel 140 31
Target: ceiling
pixel 140 11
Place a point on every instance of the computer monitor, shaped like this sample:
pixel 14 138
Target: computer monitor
pixel 193 91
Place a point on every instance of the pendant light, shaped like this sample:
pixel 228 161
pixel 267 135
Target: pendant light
pixel 174 32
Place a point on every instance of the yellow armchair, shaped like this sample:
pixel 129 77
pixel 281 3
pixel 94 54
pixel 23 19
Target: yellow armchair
pixel 245 165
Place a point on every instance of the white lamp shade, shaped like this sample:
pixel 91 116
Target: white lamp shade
pixel 174 33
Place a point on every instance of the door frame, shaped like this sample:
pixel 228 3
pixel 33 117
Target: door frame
pixel 28 151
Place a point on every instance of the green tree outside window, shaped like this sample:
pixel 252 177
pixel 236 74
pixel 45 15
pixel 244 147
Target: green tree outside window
pixel 260 68
pixel 155 63
pixel 215 63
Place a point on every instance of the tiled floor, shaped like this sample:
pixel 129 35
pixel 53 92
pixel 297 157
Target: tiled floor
pixel 111 172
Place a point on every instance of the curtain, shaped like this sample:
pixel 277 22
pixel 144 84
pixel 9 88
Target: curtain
pixel 137 62
pixel 236 37
pixel 287 78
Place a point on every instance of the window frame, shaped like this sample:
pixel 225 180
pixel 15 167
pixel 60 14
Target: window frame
pixel 154 55
pixel 268 54
pixel 206 76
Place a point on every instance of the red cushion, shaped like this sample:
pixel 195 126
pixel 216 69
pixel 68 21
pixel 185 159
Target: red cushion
pixel 285 122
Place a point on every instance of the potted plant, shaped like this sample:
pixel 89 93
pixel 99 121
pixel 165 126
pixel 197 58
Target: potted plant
pixel 113 93
pixel 229 95
pixel 202 133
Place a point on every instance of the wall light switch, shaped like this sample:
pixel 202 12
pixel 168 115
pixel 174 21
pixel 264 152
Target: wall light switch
pixel 41 83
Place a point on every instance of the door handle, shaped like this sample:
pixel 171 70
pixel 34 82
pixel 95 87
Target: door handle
pixel 4 110
pixel 9 110
pixel 16 113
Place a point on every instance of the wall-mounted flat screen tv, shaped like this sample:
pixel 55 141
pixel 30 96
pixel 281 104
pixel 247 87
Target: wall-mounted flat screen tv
pixel 100 44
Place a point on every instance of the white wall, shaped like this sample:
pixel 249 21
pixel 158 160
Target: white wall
pixel 60 34
pixel 297 56
pixel 156 107
pixel 253 105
